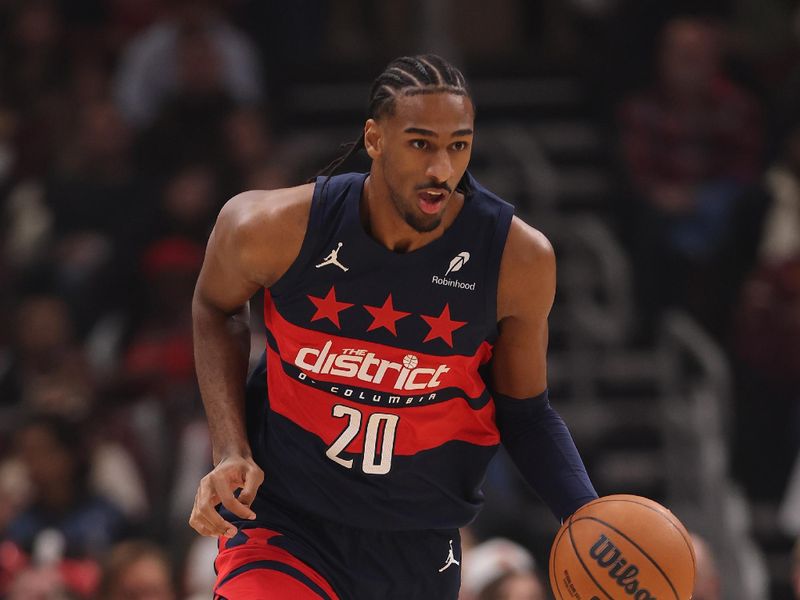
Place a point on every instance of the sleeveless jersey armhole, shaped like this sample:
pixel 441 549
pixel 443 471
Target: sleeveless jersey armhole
pixel 498 244
pixel 309 246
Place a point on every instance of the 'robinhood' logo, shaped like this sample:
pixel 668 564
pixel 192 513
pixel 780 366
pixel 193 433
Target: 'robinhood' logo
pixel 459 260
pixel 608 556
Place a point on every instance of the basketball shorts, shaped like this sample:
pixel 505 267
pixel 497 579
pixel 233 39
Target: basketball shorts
pixel 288 555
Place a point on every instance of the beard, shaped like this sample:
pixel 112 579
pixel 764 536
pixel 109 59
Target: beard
pixel 420 223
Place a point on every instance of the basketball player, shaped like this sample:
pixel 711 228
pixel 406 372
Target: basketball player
pixel 406 312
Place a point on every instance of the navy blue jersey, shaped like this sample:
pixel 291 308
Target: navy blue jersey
pixel 372 409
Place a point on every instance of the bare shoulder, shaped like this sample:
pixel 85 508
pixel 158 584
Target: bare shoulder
pixel 262 230
pixel 526 247
pixel 527 271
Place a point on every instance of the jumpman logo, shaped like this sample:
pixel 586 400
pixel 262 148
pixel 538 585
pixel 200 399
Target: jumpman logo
pixel 333 259
pixel 451 559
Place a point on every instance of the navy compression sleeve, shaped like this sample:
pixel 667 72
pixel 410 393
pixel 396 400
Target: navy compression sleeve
pixel 539 443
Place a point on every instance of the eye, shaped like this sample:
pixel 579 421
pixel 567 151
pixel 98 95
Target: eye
pixel 459 146
pixel 419 144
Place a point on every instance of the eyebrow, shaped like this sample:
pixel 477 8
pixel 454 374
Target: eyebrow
pixel 429 133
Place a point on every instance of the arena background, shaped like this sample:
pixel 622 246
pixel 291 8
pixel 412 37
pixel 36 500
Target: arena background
pixel 656 143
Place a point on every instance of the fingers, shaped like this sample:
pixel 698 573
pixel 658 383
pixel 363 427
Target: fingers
pixel 205 519
pixel 237 507
pixel 211 525
pixel 218 487
pixel 252 481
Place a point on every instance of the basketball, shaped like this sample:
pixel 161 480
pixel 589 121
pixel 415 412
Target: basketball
pixel 410 361
pixel 619 547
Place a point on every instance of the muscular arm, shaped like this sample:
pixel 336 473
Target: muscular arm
pixel 255 239
pixel 526 290
pixel 532 432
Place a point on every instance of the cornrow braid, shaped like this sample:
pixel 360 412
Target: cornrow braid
pixel 404 76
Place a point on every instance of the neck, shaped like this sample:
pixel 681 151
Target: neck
pixel 386 225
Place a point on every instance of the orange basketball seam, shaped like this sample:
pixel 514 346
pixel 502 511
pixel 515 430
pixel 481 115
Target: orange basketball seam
pixel 580 560
pixel 552 560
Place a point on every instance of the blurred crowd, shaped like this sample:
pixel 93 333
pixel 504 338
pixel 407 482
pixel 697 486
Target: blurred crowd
pixel 124 126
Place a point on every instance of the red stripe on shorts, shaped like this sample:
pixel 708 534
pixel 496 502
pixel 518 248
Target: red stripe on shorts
pixel 258 582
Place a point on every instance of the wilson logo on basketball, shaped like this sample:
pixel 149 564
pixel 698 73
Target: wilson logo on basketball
pixel 608 556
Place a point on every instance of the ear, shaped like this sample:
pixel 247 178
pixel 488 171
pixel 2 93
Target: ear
pixel 372 138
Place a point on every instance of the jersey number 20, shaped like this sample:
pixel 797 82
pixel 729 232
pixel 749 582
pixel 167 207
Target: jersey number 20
pixel 371 463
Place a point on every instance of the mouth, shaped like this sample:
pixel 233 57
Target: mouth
pixel 431 200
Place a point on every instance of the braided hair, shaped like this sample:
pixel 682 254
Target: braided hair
pixel 406 76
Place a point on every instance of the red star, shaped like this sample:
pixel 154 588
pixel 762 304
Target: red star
pixel 328 307
pixel 442 326
pixel 385 316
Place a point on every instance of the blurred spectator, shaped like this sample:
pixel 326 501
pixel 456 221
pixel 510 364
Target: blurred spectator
pixel 15 492
pixel 780 239
pixel 193 457
pixel 48 373
pixel 189 125
pixel 157 64
pixel 690 143
pixel 28 226
pixel 158 365
pixel 33 59
pixel 707 582
pixel 115 476
pixel 199 576
pixel 64 527
pixel 769 332
pixel 515 586
pixel 137 570
pixel 102 212
pixel 499 569
pixel 34 63
pixel 249 147
pixel 99 156
pixel 160 353
pixel 47 368
pixel 42 583
pixel 55 456
pixel 269 176
pixel 191 201
pixel 767 337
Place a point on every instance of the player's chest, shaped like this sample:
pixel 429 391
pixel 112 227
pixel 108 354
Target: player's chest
pixel 437 304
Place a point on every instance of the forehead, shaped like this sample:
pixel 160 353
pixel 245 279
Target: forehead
pixel 442 112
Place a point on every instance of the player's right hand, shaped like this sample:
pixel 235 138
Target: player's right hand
pixel 219 487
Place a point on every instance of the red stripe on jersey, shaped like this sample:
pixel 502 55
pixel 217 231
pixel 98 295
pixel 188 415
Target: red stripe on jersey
pixel 419 427
pixel 392 370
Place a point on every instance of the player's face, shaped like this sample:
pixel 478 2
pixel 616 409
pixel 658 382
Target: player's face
pixel 423 150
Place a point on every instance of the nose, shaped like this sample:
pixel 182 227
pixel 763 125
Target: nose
pixel 440 168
